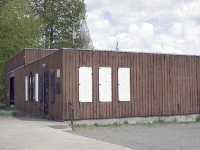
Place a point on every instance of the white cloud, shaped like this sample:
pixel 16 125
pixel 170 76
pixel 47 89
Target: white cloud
pixel 147 29
pixel 145 25
pixel 101 24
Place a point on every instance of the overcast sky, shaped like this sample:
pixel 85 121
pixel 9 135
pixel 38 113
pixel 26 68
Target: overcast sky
pixel 161 26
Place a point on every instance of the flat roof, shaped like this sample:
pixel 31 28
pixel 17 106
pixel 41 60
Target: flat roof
pixel 125 51
pixel 103 50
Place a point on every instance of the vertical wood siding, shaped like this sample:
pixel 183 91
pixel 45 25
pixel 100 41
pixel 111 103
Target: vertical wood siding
pixel 26 56
pixel 16 61
pixel 55 107
pixel 160 84
pixel 35 54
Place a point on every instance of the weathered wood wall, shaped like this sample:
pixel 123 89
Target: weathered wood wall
pixel 35 54
pixel 161 85
pixel 53 62
pixel 26 56
pixel 16 61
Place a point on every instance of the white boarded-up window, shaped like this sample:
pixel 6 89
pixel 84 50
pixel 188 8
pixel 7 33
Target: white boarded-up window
pixel 26 88
pixel 58 73
pixel 105 84
pixel 85 84
pixel 124 84
pixel 36 88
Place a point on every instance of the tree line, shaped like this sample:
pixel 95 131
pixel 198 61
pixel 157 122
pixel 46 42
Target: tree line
pixel 38 24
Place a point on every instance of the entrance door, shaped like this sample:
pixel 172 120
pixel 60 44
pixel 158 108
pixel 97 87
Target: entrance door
pixel 12 91
pixel 46 92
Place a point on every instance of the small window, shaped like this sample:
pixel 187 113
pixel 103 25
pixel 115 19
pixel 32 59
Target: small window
pixel 124 84
pixel 85 84
pixel 31 87
pixel 105 84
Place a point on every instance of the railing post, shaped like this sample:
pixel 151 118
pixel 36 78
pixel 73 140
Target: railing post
pixel 71 114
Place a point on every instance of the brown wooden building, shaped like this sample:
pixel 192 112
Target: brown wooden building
pixel 103 84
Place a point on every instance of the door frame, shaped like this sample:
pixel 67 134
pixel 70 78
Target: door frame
pixel 46 92
pixel 12 91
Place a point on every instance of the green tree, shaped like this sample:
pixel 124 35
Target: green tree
pixel 83 41
pixel 61 19
pixel 38 23
pixel 19 28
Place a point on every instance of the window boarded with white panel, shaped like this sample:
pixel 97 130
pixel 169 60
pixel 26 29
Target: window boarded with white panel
pixel 105 84
pixel 26 88
pixel 36 88
pixel 124 84
pixel 85 84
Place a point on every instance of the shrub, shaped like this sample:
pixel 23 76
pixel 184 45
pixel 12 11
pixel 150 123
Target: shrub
pixel 12 112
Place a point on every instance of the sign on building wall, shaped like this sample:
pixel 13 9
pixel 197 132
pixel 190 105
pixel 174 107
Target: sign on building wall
pixel 85 84
pixel 58 73
pixel 124 84
pixel 105 84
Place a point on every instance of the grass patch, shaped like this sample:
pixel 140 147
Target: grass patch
pixel 12 112
pixel 163 121
pixel 96 125
pixel 2 106
pixel 160 121
pixel 117 124
pixel 19 113
pixel 78 127
pixel 81 125
pixel 45 116
pixel 155 123
pixel 174 121
pixel 198 119
pixel 126 122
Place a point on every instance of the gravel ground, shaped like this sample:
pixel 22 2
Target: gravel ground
pixel 148 137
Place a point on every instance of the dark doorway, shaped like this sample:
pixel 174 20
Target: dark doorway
pixel 12 91
pixel 46 92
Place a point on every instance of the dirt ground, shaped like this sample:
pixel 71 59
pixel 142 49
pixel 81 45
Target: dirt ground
pixel 25 133
pixel 31 133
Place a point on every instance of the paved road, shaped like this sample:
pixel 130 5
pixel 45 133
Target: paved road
pixel 149 137
pixel 35 134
